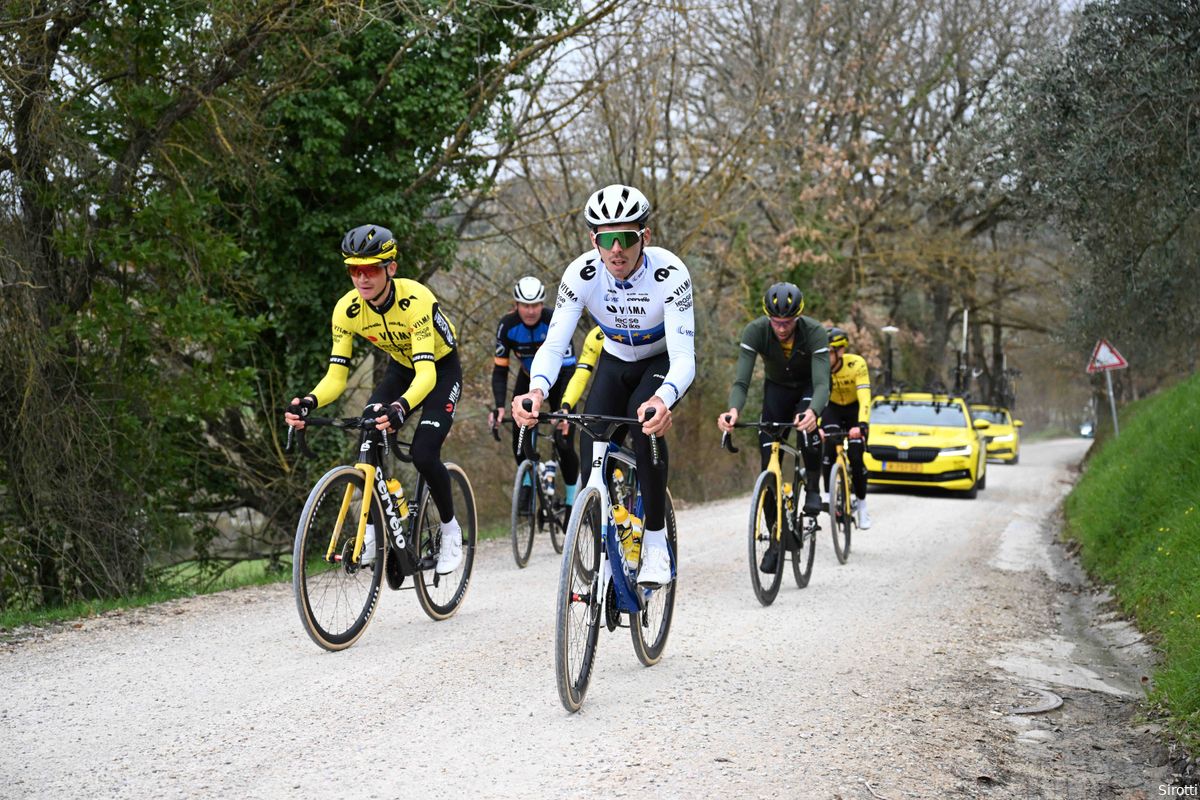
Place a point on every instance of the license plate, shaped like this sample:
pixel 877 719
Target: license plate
pixel 900 466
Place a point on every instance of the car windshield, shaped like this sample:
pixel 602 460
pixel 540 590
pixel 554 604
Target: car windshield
pixel 909 412
pixel 993 416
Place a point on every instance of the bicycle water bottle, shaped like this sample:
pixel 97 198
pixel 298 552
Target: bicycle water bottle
pixel 396 488
pixel 548 477
pixel 629 529
pixel 788 498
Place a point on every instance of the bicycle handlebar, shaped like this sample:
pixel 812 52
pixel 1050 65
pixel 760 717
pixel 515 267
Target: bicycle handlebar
pixel 774 427
pixel 583 419
pixel 367 424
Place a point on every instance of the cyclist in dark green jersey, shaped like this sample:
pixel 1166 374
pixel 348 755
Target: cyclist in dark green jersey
pixel 795 353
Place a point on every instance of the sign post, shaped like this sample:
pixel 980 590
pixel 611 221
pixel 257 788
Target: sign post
pixel 1105 358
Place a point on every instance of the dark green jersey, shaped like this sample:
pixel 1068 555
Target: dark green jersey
pixel 808 366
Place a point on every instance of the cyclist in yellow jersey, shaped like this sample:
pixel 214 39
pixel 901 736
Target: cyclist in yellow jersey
pixel 593 346
pixel 849 407
pixel 402 318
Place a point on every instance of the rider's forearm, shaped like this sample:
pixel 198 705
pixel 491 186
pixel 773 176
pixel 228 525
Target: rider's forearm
pixel 499 384
pixel 332 385
pixel 741 381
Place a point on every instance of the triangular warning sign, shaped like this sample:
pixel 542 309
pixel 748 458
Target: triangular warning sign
pixel 1105 356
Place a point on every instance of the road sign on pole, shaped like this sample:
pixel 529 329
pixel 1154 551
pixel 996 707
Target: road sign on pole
pixel 1105 358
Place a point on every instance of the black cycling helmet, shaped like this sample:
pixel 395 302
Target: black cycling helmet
pixel 837 337
pixel 368 244
pixel 783 300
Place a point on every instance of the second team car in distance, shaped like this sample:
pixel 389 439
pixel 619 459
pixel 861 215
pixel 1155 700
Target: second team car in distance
pixel 1003 440
pixel 924 439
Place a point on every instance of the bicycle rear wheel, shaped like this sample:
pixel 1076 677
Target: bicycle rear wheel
pixel 839 511
pixel 651 626
pixel 553 517
pixel 761 537
pixel 577 627
pixel 802 557
pixel 441 595
pixel 524 520
pixel 335 596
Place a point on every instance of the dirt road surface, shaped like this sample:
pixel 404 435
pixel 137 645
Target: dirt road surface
pixel 893 676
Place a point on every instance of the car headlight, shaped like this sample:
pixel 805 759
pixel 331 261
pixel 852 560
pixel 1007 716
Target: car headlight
pixel 965 450
pixel 1008 437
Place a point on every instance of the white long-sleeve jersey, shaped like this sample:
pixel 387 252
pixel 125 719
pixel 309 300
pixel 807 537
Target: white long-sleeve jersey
pixel 641 317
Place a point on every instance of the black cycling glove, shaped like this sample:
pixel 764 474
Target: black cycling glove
pixel 303 406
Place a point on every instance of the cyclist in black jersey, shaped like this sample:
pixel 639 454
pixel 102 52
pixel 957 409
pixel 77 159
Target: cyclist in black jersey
pixel 522 331
pixel 795 353
pixel 402 318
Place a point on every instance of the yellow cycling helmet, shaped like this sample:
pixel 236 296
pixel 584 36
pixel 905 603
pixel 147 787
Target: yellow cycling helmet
pixel 838 337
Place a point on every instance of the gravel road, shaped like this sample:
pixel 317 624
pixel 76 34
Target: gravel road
pixel 892 676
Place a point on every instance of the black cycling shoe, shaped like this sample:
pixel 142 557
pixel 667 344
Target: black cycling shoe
pixel 770 560
pixel 812 502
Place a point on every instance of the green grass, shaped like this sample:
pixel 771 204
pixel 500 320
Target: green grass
pixel 1136 513
pixel 183 580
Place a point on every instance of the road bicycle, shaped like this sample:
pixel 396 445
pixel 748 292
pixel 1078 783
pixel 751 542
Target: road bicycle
pixel 357 528
pixel 596 584
pixel 776 518
pixel 842 503
pixel 545 508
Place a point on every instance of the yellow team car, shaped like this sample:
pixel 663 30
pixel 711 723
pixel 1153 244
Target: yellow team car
pixel 1003 441
pixel 923 439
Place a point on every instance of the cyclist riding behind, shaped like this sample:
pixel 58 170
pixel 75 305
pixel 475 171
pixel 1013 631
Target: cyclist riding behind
pixel 641 297
pixel 402 318
pixel 522 331
pixel 795 354
pixel 849 406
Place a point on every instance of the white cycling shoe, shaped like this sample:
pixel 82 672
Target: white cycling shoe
pixel 656 566
pixel 450 554
pixel 864 519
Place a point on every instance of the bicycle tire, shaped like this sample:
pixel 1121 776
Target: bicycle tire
pixel 524 525
pixel 839 511
pixel 555 521
pixel 660 607
pixel 441 596
pixel 336 600
pixel 761 537
pixel 802 557
pixel 577 609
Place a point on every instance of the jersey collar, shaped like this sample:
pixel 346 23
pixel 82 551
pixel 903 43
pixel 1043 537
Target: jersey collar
pixel 387 304
pixel 635 276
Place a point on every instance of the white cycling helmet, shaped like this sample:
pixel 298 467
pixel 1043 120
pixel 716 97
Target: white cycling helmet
pixel 529 290
pixel 615 204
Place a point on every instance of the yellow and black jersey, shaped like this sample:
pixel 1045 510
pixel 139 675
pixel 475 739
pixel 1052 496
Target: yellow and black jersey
pixel 410 328
pixel 593 345
pixel 850 384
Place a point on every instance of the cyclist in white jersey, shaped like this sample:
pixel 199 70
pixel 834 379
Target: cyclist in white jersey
pixel 641 297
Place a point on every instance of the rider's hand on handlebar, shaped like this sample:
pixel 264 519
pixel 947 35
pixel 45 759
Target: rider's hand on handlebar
pixel 389 418
pixel 520 415
pixel 727 420
pixel 857 432
pixel 298 409
pixel 563 426
pixel 806 422
pixel 660 423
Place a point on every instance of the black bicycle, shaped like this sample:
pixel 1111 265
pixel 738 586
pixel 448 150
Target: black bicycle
pixel 545 504
pixel 357 528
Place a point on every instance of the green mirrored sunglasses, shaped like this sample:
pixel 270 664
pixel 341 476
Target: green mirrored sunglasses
pixel 627 239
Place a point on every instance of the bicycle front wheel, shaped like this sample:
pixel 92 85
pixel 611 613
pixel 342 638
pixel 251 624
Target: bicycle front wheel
pixel 839 511
pixel 524 520
pixel 577 628
pixel 441 595
pixel 651 626
pixel 762 537
pixel 335 595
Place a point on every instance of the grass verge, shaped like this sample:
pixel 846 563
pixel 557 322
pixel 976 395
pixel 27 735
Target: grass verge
pixel 1136 514
pixel 183 580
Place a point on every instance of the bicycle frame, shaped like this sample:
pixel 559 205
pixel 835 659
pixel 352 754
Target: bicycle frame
pixel 775 467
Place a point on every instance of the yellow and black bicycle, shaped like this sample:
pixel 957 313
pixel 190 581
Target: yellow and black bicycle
pixel 776 516
pixel 357 528
pixel 841 499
